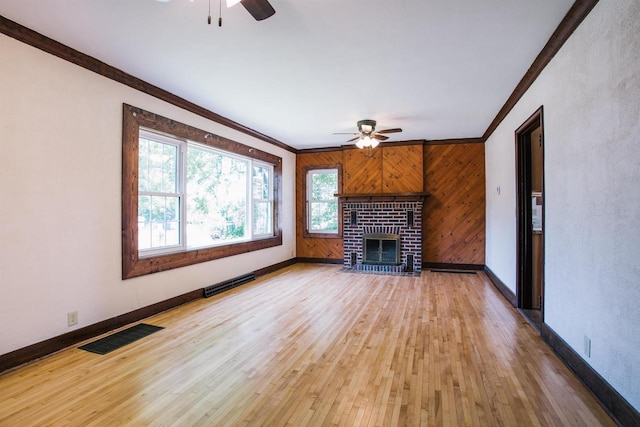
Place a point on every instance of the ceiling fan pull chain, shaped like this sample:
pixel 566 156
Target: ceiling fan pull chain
pixel 209 17
pixel 220 17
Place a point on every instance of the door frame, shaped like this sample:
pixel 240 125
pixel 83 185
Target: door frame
pixel 524 247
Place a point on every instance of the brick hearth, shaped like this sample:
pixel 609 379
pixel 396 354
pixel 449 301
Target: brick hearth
pixel 397 217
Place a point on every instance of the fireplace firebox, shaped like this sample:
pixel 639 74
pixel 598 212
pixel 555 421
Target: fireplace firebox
pixel 381 248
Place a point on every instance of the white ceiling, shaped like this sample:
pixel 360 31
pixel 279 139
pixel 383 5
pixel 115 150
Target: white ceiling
pixel 436 68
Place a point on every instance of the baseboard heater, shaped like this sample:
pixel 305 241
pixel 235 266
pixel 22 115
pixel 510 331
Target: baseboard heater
pixel 228 284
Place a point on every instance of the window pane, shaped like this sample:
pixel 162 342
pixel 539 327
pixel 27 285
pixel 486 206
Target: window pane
pixel 324 185
pixel 262 218
pixel 216 197
pixel 144 222
pixel 157 166
pixel 261 177
pixel 324 216
pixel 158 221
pixel 143 165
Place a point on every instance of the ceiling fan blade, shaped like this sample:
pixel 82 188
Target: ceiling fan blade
pixel 345 133
pixel 394 130
pixel 379 137
pixel 353 139
pixel 259 9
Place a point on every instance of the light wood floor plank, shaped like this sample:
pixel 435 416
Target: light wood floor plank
pixel 312 345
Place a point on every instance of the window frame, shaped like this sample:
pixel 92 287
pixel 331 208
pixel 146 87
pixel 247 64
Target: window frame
pixel 179 192
pixel 305 182
pixel 134 265
pixel 253 200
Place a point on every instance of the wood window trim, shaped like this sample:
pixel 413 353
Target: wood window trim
pixel 132 265
pixel 305 232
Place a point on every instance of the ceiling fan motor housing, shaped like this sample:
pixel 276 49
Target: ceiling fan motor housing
pixel 366 126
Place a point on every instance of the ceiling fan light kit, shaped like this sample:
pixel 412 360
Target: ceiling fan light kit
pixel 367 141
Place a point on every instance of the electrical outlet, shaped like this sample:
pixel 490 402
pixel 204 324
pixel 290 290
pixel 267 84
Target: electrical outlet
pixel 72 318
pixel 587 346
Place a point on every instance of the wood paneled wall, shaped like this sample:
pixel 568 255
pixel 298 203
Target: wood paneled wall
pixel 453 224
pixel 454 217
pixel 389 169
pixel 313 247
pixel 402 169
pixel 362 174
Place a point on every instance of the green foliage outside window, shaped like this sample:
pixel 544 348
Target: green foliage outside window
pixel 322 203
pixel 216 192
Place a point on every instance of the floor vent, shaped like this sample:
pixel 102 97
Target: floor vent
pixel 227 284
pixel 120 339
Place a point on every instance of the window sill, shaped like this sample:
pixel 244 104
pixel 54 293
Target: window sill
pixel 135 266
pixel 308 235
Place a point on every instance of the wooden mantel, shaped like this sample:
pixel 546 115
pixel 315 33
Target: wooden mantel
pixel 380 197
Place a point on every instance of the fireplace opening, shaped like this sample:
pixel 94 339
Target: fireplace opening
pixel 381 249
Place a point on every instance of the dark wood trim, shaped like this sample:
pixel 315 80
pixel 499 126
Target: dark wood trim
pixel 134 266
pixel 39 41
pixel 620 410
pixel 305 231
pixel 571 21
pixel 319 150
pixel 502 288
pixel 380 197
pixel 385 144
pixel 275 267
pixel 452 266
pixel 353 147
pixel 44 348
pixel 52 345
pixel 479 140
pixel 320 260
pixel 524 232
pixel 454 141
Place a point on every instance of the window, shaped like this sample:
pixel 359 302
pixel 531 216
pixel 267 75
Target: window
pixel 262 200
pixel 159 194
pixel 322 204
pixel 189 196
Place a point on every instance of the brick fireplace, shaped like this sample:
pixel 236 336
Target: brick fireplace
pixel 385 219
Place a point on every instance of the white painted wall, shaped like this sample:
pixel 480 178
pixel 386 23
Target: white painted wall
pixel 60 221
pixel 591 97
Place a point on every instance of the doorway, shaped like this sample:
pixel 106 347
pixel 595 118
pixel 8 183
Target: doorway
pixel 530 224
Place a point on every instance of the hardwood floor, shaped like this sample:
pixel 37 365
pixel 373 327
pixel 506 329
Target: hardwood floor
pixel 312 345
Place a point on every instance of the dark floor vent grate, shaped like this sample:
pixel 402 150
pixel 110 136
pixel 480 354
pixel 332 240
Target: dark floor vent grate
pixel 120 339
pixel 227 284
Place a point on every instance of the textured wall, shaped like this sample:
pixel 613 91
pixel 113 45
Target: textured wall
pixel 591 97
pixel 60 208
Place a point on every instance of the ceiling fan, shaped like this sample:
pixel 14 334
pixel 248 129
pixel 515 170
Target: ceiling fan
pixel 368 136
pixel 259 9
